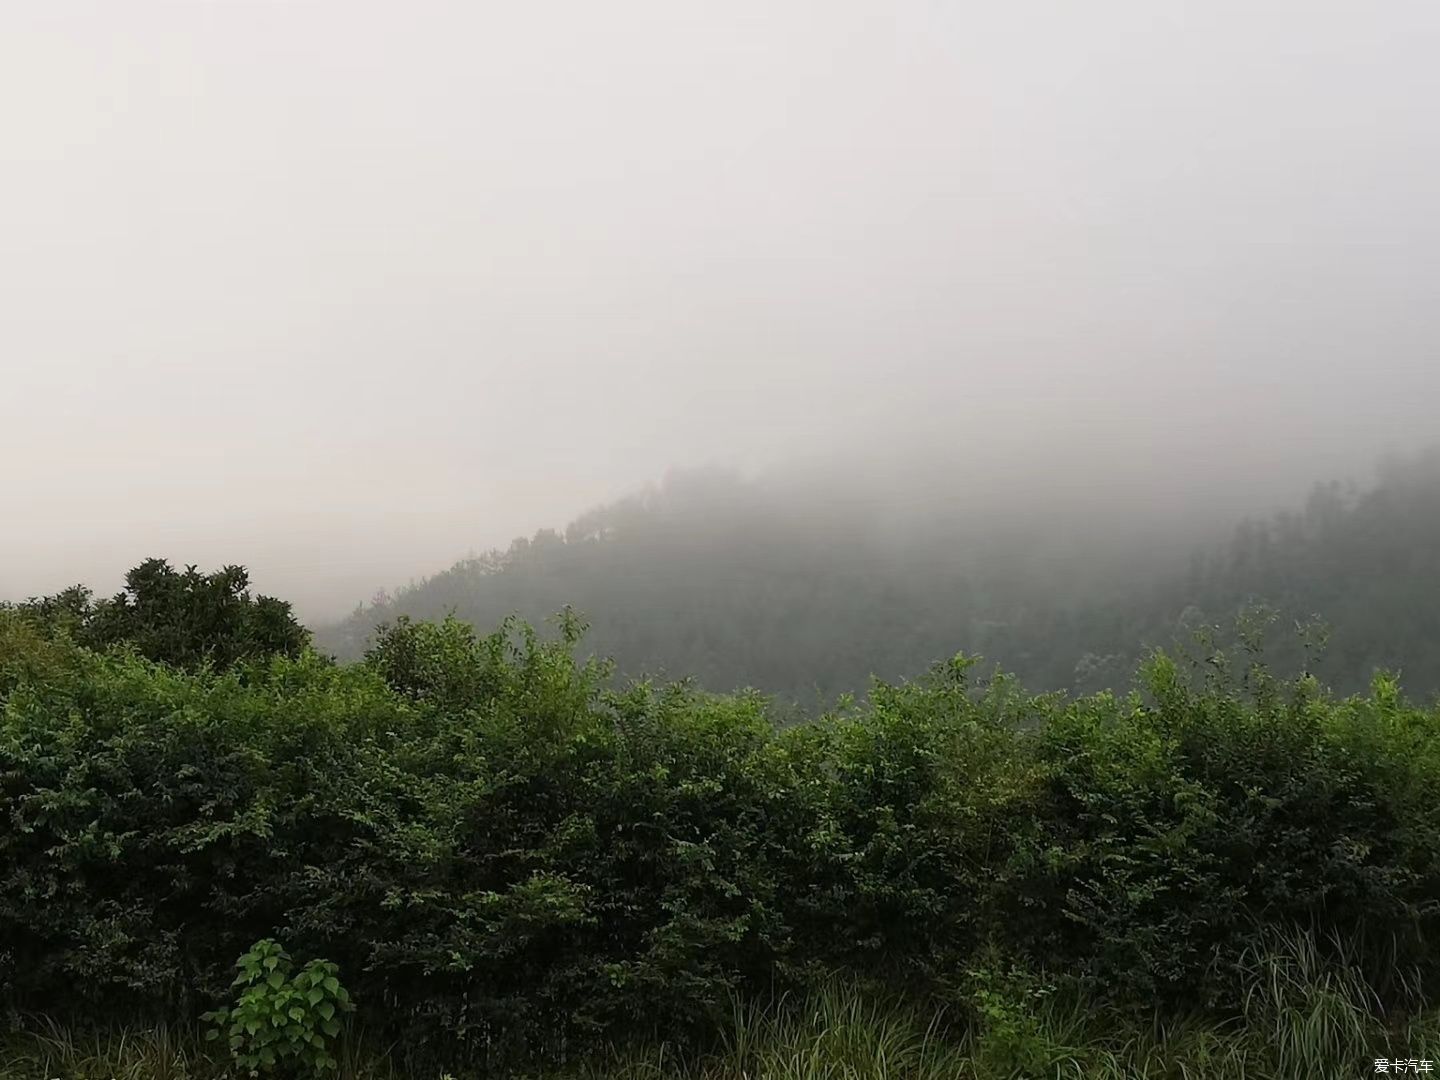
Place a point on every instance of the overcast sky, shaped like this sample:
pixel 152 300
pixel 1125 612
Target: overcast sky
pixel 344 290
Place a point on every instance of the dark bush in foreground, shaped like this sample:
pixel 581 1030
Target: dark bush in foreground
pixel 509 860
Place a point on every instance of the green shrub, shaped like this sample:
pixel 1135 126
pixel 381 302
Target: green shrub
pixel 1178 829
pixel 283 1021
pixel 903 812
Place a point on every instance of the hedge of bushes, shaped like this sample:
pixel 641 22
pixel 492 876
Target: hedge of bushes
pixel 507 856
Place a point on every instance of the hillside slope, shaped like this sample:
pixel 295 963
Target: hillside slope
pixel 741 584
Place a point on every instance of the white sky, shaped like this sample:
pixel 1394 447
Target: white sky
pixel 343 290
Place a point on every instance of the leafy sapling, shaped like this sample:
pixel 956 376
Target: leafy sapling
pixel 282 1022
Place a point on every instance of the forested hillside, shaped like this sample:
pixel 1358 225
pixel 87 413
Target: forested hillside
pixel 738 583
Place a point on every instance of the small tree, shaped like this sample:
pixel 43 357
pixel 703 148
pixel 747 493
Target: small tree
pixel 181 618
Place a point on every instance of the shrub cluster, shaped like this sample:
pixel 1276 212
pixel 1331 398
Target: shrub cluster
pixel 507 856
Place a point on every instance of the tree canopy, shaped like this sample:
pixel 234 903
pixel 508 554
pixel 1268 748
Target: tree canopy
pixel 185 618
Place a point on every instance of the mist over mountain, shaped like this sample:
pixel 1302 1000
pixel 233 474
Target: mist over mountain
pixel 850 358
pixel 340 307
pixel 804 590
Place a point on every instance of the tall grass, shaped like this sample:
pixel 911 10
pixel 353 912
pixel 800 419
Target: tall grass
pixel 44 1050
pixel 1308 1012
pixel 1315 1013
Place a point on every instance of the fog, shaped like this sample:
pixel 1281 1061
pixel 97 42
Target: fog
pixel 345 290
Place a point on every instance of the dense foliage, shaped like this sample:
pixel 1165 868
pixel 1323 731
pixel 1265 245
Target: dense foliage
pixel 801 592
pixel 184 618
pixel 511 859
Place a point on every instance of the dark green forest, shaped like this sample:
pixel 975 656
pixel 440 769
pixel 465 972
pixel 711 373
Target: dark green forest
pixel 806 594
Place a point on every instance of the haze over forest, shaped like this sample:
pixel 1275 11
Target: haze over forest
pixel 895 540
pixel 444 277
